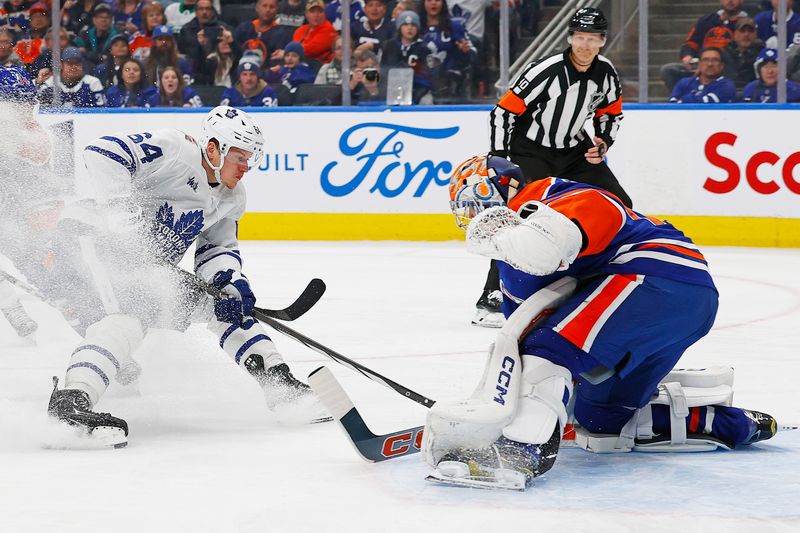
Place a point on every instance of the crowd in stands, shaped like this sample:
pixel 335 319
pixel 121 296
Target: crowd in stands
pixel 729 56
pixel 133 53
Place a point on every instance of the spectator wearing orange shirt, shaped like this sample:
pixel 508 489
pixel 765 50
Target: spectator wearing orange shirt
pixel 28 49
pixel 318 36
pixel 141 42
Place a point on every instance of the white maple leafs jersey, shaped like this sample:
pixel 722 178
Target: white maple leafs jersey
pixel 161 173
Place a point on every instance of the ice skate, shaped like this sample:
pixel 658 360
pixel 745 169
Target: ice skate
pixel 22 323
pixel 764 426
pixel 507 464
pixel 283 392
pixel 73 407
pixel 487 310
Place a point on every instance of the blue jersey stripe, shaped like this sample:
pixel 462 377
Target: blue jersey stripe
pixel 111 155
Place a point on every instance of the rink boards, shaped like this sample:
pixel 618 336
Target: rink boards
pixel 726 176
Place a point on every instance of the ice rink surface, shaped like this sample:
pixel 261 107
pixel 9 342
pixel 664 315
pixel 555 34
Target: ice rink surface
pixel 205 455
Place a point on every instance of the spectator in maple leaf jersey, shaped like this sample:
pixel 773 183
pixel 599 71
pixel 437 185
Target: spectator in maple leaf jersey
pixel 709 86
pixel 715 29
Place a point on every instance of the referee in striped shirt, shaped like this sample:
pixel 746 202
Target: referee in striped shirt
pixel 539 125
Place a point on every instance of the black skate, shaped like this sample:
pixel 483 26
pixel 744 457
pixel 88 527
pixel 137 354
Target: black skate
pixel 507 464
pixel 764 426
pixel 282 390
pixel 23 324
pixel 487 310
pixel 74 407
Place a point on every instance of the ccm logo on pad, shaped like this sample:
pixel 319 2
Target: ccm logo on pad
pixel 761 180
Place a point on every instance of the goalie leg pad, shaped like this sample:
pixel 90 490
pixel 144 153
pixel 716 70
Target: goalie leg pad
pixel 542 406
pixel 681 390
pixel 479 421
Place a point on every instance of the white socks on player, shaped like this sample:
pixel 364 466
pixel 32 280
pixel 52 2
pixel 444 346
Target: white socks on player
pixel 240 342
pixel 107 347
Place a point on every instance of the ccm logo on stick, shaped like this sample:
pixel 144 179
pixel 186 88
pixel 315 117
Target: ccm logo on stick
pixel 400 444
pixel 762 185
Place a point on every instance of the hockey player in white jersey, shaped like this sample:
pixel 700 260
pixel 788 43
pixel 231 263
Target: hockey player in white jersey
pixel 31 190
pixel 159 192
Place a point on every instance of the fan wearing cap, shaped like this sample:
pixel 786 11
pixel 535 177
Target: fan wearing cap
pixel 250 89
pixel 29 47
pixel 96 40
pixel 318 35
pixel 294 71
pixel 163 54
pixel 407 49
pixel 741 52
pixel 77 88
pixel 765 87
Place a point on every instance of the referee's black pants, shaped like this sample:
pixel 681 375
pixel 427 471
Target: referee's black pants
pixel 539 162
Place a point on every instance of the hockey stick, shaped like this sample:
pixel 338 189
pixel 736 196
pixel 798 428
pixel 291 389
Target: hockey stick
pixel 307 299
pixel 371 447
pixel 30 289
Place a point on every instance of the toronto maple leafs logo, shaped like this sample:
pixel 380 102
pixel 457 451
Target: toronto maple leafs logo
pixel 230 113
pixel 173 237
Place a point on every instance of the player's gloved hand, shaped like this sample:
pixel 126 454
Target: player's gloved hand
pixel 241 301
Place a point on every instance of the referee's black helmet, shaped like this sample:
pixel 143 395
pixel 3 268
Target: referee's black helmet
pixel 589 20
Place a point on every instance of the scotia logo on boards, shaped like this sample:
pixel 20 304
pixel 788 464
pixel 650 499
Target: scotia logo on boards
pixel 764 171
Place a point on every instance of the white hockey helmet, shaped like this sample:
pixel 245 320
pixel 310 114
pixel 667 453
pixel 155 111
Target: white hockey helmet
pixel 231 128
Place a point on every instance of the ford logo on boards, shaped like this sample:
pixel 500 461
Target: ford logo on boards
pixel 376 148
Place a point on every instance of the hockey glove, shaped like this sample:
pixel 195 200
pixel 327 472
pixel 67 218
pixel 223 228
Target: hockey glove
pixel 241 301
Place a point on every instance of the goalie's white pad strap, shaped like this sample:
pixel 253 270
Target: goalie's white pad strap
pixel 541 407
pixel 712 386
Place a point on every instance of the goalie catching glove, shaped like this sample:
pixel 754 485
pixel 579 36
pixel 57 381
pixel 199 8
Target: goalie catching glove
pixel 241 300
pixel 544 242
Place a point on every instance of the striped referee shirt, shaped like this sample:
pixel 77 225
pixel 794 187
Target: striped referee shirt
pixel 551 101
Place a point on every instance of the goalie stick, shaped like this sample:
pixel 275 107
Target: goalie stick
pixel 307 299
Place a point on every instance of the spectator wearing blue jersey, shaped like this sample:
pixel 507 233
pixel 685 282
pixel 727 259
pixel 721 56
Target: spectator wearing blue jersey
pixel 16 17
pixel 171 92
pixel 250 90
pixel 767 24
pixel 452 52
pixel 333 12
pixel 764 89
pixel 294 71
pixel 128 15
pixel 109 70
pixel 164 53
pixel 128 91
pixel 408 50
pixel 709 86
pixel 77 89
pixel 376 28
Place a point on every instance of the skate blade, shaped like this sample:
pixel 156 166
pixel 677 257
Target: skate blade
pixel 477 482
pixel 72 438
pixel 488 319
pixel 786 427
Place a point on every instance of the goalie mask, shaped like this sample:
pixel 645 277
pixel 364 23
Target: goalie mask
pixel 482 182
